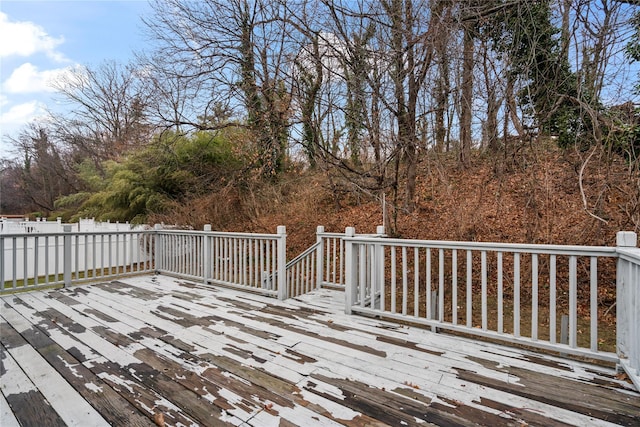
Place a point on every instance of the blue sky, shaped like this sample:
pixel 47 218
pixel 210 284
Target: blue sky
pixel 41 39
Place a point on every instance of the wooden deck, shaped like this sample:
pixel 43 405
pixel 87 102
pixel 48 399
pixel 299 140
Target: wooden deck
pixel 161 351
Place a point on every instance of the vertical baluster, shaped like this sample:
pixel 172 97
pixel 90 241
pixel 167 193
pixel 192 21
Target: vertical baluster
pixel 3 276
pixel 441 285
pixel 305 287
pixel 428 284
pixel 274 257
pixel 454 286
pixel 86 256
pixel 300 270
pixel 234 260
pixel 56 256
pixel 500 295
pixel 416 281
pixel 311 272
pixel 255 261
pixel 405 289
pixel 516 294
pixel 216 258
pixel 573 301
pixel 93 254
pixel 35 260
pixel 14 258
pixel 340 244
pixel 110 271
pixel 133 256
pixel 381 279
pixel 262 262
pixel 110 254
pixel 219 273
pixel 370 267
pixel 552 300
pixel 124 252
pixel 46 260
pixel 117 244
pixel 335 274
pixel 483 269
pixel 534 297
pixel 393 279
pixel 326 272
pixel 250 266
pixel 229 259
pixel 296 279
pixel 593 293
pixel 25 266
pixel 243 262
pixel 469 289
pixel 362 285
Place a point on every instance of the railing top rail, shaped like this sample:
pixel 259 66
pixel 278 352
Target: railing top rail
pixel 340 235
pixel 609 251
pixel 306 252
pixel 330 235
pixel 221 234
pixel 630 254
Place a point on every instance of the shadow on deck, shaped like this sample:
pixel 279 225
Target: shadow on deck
pixel 153 350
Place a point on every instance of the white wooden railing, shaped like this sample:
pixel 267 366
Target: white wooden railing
pixel 34 260
pixel 512 292
pixel 628 305
pixel 321 265
pixel 331 256
pixel 526 294
pixel 242 260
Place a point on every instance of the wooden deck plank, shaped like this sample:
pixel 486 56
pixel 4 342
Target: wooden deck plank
pixel 69 407
pixel 27 403
pixel 7 418
pixel 283 404
pixel 109 403
pixel 133 374
pixel 494 373
pixel 181 402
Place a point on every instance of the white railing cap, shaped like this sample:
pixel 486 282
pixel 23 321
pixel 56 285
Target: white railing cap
pixel 626 239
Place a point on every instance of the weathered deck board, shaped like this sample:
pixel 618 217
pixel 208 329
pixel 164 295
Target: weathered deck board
pixel 156 350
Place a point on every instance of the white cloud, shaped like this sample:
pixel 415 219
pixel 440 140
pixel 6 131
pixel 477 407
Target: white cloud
pixel 20 114
pixel 28 79
pixel 24 38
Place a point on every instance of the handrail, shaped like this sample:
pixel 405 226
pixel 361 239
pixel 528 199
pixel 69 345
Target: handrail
pixel 492 246
pixel 304 254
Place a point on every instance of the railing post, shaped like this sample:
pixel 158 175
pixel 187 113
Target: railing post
pixel 379 276
pixel 319 256
pixel 351 269
pixel 627 298
pixel 282 262
pixel 206 255
pixel 157 248
pixel 66 256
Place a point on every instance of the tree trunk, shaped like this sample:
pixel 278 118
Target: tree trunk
pixel 466 100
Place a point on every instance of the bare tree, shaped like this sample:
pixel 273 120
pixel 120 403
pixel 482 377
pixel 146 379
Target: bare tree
pixel 42 174
pixel 236 49
pixel 108 110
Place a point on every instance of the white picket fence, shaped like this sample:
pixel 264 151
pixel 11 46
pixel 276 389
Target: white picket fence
pixel 32 260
